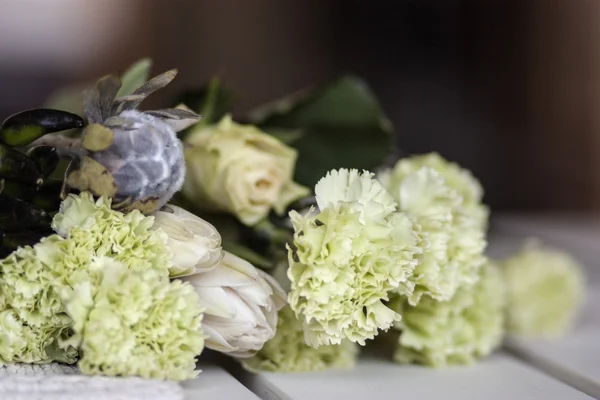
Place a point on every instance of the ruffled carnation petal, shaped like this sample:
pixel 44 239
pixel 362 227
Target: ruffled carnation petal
pixel 344 261
pixel 458 331
pixel 34 280
pixel 138 325
pixel 287 351
pixel 128 238
pixel 440 198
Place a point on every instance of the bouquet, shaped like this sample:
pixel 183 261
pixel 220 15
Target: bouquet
pixel 287 239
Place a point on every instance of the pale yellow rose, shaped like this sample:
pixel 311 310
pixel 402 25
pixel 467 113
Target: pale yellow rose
pixel 240 169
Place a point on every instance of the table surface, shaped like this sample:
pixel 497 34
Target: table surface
pixel 565 369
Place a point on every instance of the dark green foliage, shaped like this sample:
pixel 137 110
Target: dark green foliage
pixel 19 215
pixel 17 167
pixel 10 241
pixel 340 125
pixel 45 157
pixel 27 126
pixel 212 102
pixel 47 197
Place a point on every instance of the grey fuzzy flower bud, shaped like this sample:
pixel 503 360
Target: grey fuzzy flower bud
pixel 132 156
pixel 145 158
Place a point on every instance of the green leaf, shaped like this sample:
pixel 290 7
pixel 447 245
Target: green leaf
pixel 342 125
pixel 13 240
pixel 17 167
pixel 212 102
pixel 287 136
pixel 27 126
pixel 19 215
pixel 135 76
pixel 133 101
pixel 61 168
pixel 248 254
pixel 69 98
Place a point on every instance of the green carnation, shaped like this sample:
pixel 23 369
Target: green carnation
pixel 458 331
pixel 346 258
pixel 434 194
pixel 545 291
pixel 34 344
pixel 287 351
pixel 137 324
pixel 127 238
pixel 459 179
pixel 32 280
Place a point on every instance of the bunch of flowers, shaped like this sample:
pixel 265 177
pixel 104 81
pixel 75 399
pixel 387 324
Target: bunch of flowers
pixel 140 237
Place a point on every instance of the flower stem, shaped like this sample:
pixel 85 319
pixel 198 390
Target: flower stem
pixel 65 146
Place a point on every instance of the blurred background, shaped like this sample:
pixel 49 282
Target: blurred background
pixel 509 89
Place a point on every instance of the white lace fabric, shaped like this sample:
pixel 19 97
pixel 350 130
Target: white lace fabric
pixel 56 381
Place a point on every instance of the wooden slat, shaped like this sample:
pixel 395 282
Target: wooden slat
pixel 574 359
pixel 500 377
pixel 577 234
pixel 214 383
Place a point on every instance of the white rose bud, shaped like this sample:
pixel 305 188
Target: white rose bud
pixel 241 170
pixel 196 244
pixel 241 304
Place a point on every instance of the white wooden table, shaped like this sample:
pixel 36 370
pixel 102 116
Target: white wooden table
pixel 574 359
pixel 565 369
pixel 214 383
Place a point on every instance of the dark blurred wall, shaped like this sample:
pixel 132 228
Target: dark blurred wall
pixel 563 141
pixel 507 88
pixel 452 79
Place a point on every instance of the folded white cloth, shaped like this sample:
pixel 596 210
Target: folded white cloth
pixel 56 381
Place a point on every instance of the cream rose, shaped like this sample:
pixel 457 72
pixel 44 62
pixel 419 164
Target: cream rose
pixel 240 169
